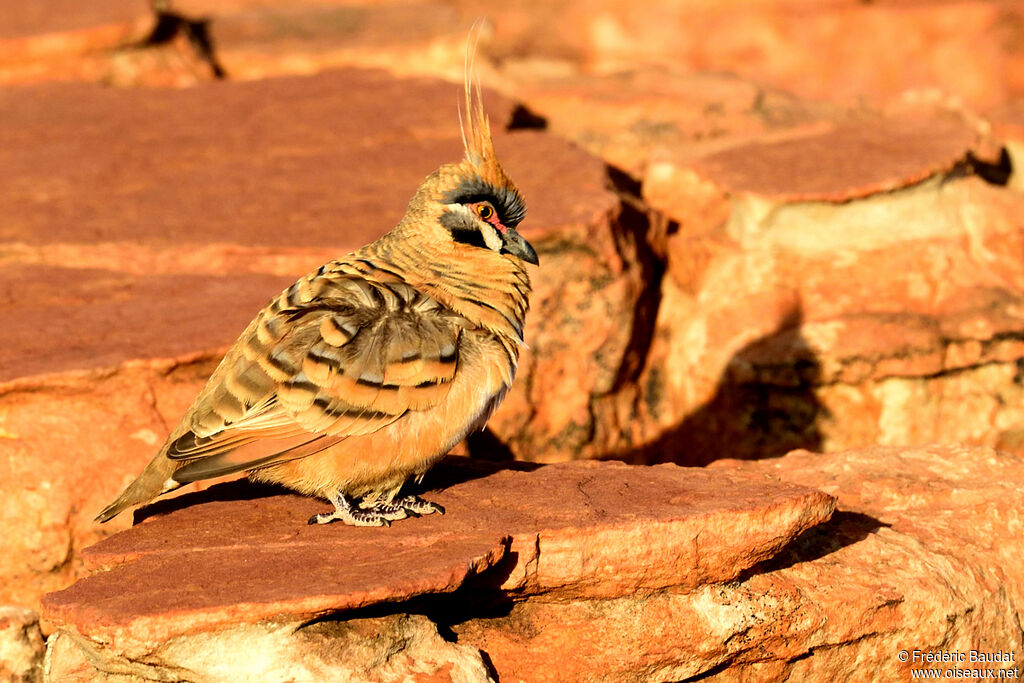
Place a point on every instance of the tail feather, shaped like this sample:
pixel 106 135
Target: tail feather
pixel 151 483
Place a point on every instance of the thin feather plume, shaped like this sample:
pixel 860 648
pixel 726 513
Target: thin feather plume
pixel 476 129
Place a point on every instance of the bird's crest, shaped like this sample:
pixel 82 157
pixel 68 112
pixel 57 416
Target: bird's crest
pixel 476 129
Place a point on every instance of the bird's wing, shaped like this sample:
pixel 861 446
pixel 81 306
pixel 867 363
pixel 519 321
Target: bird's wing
pixel 334 356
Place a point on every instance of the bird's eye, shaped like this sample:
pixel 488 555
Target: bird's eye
pixel 484 211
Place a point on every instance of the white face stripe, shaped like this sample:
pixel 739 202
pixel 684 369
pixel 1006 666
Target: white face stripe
pixel 492 238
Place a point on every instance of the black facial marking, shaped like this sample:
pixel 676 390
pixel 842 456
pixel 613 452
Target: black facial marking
pixel 507 202
pixel 463 229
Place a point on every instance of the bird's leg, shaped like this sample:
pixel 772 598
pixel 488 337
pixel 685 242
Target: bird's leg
pixel 346 511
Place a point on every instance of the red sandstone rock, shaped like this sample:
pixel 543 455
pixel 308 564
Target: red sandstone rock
pixel 640 115
pixel 68 40
pixel 574 529
pixel 892 319
pixel 68 442
pixel 817 50
pixel 257 40
pixel 950 510
pixel 922 556
pixel 836 280
pixel 28 19
pixel 180 44
pixel 99 319
pixel 853 159
pixel 318 162
pixel 1008 120
pixel 1008 124
pixel 21 645
pixel 235 569
pixel 832 279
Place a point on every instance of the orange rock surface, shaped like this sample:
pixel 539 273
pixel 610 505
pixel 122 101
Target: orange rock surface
pixel 239 554
pixel 570 570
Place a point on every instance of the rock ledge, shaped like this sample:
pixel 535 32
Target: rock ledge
pixel 239 554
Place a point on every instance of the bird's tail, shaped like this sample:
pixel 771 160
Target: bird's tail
pixel 153 481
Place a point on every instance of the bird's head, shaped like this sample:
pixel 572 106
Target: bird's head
pixel 473 205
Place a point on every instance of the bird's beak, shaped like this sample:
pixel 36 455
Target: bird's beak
pixel 517 246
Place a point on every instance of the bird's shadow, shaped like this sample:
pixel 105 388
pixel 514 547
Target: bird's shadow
pixel 488 456
pixel 225 491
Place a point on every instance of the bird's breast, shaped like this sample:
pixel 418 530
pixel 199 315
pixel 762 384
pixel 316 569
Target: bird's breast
pixel 377 464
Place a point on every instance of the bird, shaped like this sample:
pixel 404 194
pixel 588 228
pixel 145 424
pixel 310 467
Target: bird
pixel 364 373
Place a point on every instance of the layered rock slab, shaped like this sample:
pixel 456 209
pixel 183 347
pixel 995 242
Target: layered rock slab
pixel 968 48
pixel 921 554
pixel 833 277
pixel 824 309
pixel 261 40
pixel 96 364
pixel 284 163
pixel 223 558
pixel 814 49
pixel 571 527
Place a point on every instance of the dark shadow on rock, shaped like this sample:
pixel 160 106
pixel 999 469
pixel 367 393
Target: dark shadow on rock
pixel 456 469
pixel 238 489
pixel 485 445
pixel 480 597
pixel 993 171
pixel 843 529
pixel 639 229
pixel 524 118
pixel 170 25
pixel 764 406
pixel 451 471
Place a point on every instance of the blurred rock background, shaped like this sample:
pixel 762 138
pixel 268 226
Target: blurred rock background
pixel 763 226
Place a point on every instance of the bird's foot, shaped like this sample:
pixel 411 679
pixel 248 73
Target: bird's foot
pixel 407 506
pixel 346 511
pixel 416 506
pixel 376 512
